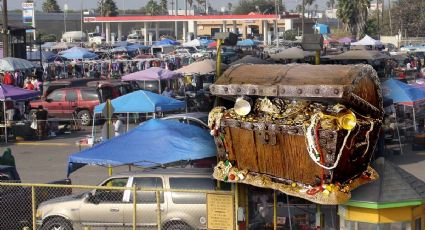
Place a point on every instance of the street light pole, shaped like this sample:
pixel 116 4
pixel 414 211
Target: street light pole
pixel 5 31
pixel 81 14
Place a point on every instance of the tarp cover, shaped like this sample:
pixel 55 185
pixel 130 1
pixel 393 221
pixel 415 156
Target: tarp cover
pixel 166 42
pixel 142 102
pixel 402 93
pixel 322 28
pixel 78 53
pixel 154 73
pixel 155 142
pixel 8 92
pixel 206 66
pixel 13 64
pixel 367 41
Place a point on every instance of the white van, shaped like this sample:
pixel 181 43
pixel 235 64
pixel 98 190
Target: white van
pixel 96 38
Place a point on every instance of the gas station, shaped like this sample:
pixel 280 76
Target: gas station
pixel 265 24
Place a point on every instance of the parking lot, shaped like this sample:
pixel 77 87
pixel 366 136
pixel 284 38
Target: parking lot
pixel 46 160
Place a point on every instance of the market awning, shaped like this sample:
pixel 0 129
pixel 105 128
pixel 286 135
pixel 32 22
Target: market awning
pixel 142 101
pixel 153 143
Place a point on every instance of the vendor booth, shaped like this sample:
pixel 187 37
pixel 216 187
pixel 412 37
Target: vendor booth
pixel 12 94
pixel 155 143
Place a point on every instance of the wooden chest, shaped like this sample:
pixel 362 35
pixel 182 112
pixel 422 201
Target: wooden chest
pixel 293 139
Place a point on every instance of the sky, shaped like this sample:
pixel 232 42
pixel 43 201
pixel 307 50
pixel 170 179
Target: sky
pixel 136 4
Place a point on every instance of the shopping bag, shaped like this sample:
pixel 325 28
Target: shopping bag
pixel 34 124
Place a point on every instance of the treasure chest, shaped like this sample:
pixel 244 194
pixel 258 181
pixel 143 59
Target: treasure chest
pixel 306 130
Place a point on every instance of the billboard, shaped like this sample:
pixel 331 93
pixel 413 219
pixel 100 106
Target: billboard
pixel 28 14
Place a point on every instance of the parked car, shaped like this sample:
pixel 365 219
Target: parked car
pixel 109 208
pixel 15 201
pixel 67 102
pixel 49 86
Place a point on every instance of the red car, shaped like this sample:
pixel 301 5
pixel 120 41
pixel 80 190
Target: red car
pixel 62 103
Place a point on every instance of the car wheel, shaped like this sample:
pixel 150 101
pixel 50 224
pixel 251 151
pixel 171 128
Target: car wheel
pixel 84 117
pixel 57 223
pixel 180 226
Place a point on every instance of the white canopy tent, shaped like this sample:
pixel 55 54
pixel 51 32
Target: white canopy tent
pixel 367 41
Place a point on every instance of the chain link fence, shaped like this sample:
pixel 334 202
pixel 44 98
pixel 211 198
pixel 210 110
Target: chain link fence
pixel 114 205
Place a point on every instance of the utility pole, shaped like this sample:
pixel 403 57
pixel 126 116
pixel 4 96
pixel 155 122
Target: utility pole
pixel 81 25
pixel 302 17
pixel 377 16
pixel 5 31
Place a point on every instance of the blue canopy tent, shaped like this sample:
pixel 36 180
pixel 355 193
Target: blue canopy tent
pixel 321 28
pixel 166 42
pixel 153 143
pixel 247 42
pixel 404 94
pixel 142 101
pixel 78 53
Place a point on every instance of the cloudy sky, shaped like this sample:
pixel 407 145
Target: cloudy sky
pixel 135 4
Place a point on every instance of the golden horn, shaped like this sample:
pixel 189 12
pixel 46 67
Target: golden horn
pixel 346 121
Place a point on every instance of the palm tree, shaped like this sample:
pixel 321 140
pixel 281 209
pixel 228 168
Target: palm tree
pixel 50 6
pixel 353 13
pixel 201 4
pixel 309 3
pixel 107 8
pixel 229 6
pixel 164 6
pixel 330 4
pixel 152 8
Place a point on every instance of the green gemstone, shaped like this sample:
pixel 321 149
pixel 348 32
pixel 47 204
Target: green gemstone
pixel 227 163
pixel 226 178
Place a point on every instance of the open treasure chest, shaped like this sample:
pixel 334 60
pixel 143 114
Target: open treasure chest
pixel 308 131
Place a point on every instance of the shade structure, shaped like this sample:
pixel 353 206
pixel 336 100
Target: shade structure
pixel 206 66
pixel 154 73
pixel 247 42
pixel 166 42
pixel 12 93
pixel 46 56
pixel 78 53
pixel 153 143
pixel 360 55
pixel 48 45
pixel 142 101
pixel 74 49
pixel 250 60
pixel 61 46
pixel 321 28
pixel 402 93
pixel 291 53
pixel 13 64
pixel 137 47
pixel 367 41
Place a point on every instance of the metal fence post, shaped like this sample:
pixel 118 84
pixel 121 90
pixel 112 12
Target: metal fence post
pixel 236 200
pixel 33 207
pixel 134 207
pixel 158 209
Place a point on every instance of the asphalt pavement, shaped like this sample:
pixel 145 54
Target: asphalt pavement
pixel 47 160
